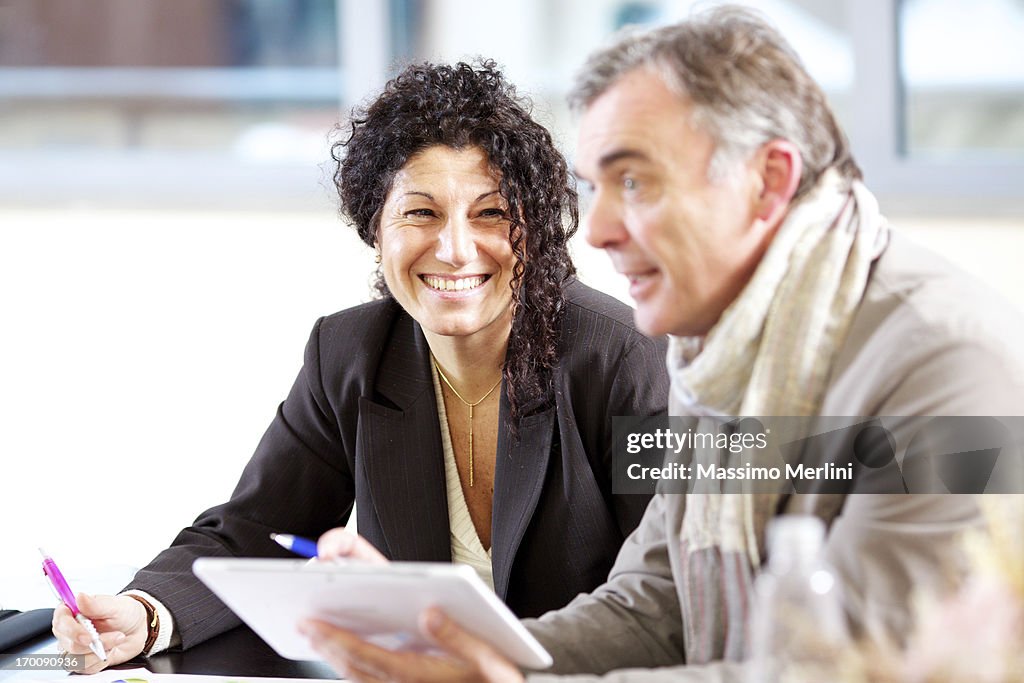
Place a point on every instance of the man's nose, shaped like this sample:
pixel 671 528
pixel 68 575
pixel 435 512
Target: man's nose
pixel 602 222
pixel 456 244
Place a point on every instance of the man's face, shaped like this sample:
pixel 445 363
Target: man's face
pixel 687 244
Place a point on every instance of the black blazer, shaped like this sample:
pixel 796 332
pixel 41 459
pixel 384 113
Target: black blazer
pixel 360 425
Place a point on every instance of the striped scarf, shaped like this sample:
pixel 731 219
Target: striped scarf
pixel 769 354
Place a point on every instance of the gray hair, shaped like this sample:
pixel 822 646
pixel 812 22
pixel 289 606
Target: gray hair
pixel 746 85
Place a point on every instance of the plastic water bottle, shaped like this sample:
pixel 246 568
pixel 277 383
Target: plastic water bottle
pixel 798 631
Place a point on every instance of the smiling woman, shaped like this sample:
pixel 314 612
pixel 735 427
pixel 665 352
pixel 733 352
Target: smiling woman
pixel 461 107
pixel 445 249
pixel 447 258
pixel 467 412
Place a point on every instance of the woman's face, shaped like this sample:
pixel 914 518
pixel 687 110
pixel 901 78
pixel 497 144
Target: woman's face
pixel 444 244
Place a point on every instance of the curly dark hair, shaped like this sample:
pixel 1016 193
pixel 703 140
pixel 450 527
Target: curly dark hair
pixel 472 105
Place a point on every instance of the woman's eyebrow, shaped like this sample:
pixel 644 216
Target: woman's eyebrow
pixel 431 197
pixel 419 194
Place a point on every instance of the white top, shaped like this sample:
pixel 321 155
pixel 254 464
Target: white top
pixel 466 546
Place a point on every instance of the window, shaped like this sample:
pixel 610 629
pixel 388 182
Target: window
pixel 232 101
pixel 962 79
pixel 921 136
pixel 131 98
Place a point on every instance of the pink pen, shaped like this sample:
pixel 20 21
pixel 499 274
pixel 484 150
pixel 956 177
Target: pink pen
pixel 63 591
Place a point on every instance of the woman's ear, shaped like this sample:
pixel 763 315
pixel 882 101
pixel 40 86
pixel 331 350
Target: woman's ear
pixel 780 166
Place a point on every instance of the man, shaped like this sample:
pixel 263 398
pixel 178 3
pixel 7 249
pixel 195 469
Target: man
pixel 724 189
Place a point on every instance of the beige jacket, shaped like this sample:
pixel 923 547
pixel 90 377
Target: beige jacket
pixel 926 340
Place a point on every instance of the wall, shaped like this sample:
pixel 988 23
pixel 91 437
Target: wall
pixel 145 353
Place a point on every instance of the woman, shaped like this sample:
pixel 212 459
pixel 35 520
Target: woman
pixel 467 411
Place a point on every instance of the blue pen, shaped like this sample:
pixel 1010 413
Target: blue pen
pixel 296 544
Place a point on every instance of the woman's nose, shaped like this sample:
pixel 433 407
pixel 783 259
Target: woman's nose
pixel 456 243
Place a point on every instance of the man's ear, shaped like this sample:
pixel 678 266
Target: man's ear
pixel 780 166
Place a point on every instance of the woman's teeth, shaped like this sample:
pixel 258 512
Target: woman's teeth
pixel 444 284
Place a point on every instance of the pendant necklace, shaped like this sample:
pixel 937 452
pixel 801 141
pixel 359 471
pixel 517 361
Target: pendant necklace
pixel 469 405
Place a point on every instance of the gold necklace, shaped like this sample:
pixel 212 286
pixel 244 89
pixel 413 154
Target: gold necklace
pixel 470 405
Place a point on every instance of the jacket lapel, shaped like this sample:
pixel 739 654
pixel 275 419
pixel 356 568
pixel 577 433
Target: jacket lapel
pixel 518 480
pixel 400 450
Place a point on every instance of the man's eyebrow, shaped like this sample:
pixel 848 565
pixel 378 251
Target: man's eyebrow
pixel 619 154
pixel 611 157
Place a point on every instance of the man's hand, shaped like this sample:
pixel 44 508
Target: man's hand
pixel 468 659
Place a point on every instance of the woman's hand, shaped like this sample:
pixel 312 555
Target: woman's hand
pixel 120 621
pixel 467 659
pixel 340 543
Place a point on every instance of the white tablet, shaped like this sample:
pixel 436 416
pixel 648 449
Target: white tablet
pixel 382 603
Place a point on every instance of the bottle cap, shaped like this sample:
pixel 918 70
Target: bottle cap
pixel 794 536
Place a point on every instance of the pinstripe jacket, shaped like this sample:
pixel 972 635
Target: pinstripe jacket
pixel 360 426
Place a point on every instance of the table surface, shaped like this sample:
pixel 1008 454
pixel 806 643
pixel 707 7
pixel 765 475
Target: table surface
pixel 239 652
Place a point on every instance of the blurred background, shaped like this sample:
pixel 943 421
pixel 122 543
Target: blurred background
pixel 169 234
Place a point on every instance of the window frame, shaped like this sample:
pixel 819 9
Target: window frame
pixel 875 126
pixel 876 130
